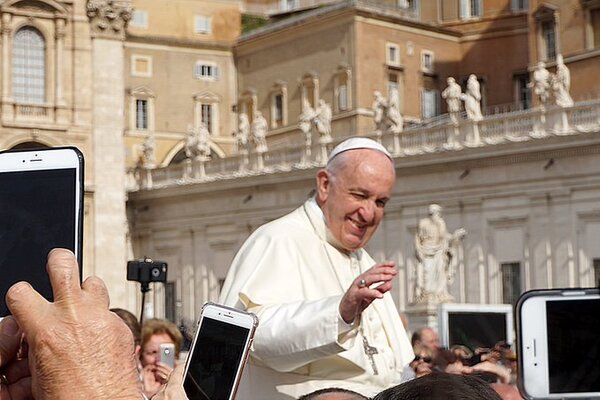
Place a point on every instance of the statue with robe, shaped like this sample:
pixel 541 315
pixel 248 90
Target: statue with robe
pixel 436 252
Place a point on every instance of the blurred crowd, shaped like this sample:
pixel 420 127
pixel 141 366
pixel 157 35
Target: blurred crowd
pixel 496 366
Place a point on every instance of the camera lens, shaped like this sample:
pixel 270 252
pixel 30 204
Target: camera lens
pixel 155 272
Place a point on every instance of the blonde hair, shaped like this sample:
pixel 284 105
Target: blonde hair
pixel 155 326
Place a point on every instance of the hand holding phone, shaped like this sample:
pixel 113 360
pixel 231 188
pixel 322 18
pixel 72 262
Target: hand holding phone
pixel 219 352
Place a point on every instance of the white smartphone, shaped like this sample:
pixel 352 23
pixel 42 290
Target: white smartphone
pixel 219 352
pixel 41 207
pixel 167 354
pixel 558 337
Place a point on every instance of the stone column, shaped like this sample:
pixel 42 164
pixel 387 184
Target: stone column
pixel 6 81
pixel 59 101
pixel 108 19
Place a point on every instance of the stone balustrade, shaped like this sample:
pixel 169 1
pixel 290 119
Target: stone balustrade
pixel 444 136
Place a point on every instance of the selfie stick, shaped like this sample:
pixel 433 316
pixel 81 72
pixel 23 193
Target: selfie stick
pixel 144 287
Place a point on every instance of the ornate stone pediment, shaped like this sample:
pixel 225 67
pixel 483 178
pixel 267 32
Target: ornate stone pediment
pixel 545 11
pixel 44 6
pixel 109 18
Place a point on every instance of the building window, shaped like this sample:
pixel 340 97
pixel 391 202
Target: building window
pixel 206 111
pixel 288 5
pixel 520 5
pixel 595 27
pixel 207 116
pixel 427 61
pixel 202 24
pixel 170 301
pixel 596 282
pixel 471 9
pixel 392 54
pixel 141 114
pixel 549 39
pixel 393 83
pixel 409 5
pixel 206 71
pixel 343 96
pixel 511 282
pixel 139 19
pixel 277 116
pixel 430 103
pixel 522 92
pixel 278 105
pixel 310 90
pixel 141 66
pixel 342 90
pixel 29 66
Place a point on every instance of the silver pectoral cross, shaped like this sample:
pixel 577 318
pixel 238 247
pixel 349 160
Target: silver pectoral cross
pixel 370 351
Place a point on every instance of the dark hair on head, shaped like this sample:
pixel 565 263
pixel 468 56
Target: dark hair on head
pixel 131 322
pixel 351 395
pixel 441 386
pixel 443 358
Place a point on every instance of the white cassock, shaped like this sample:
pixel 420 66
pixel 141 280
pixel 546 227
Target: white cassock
pixel 293 279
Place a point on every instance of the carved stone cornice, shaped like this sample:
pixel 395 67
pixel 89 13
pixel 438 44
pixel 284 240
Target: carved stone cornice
pixel 109 18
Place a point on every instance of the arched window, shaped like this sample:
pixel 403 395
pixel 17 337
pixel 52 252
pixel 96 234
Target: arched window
pixel 29 66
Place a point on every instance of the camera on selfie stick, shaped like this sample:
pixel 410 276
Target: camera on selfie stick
pixel 145 271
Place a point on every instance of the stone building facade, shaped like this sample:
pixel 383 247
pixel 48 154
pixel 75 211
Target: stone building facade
pixel 62 84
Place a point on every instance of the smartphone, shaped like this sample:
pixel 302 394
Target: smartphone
pixel 219 352
pixel 558 338
pixel 41 207
pixel 167 354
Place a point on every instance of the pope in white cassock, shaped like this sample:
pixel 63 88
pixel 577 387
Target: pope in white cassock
pixel 327 318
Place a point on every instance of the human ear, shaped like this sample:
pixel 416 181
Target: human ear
pixel 323 185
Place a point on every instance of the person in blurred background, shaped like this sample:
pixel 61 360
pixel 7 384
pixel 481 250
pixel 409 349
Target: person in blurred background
pixel 155 374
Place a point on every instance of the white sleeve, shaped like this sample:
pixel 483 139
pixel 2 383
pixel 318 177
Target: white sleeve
pixel 292 335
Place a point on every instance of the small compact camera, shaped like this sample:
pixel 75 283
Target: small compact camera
pixel 146 270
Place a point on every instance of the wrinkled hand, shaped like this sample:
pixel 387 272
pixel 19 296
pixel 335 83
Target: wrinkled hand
pixel 77 348
pixel 356 299
pixel 16 370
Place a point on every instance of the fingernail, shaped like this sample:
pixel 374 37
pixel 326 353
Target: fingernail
pixel 9 326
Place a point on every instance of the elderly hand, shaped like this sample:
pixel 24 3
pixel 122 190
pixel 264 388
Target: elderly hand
pixel 77 348
pixel 16 379
pixel 367 287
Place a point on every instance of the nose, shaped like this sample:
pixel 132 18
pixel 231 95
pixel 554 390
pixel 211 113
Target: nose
pixel 367 211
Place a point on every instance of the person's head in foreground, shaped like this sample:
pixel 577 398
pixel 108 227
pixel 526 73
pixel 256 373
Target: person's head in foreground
pixel 353 189
pixel 333 394
pixel 440 386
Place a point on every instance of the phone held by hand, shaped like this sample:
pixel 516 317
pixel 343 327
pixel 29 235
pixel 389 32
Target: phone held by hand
pixel 167 354
pixel 558 337
pixel 41 208
pixel 219 352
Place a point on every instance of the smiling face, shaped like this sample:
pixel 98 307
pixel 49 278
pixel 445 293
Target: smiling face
pixel 352 193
